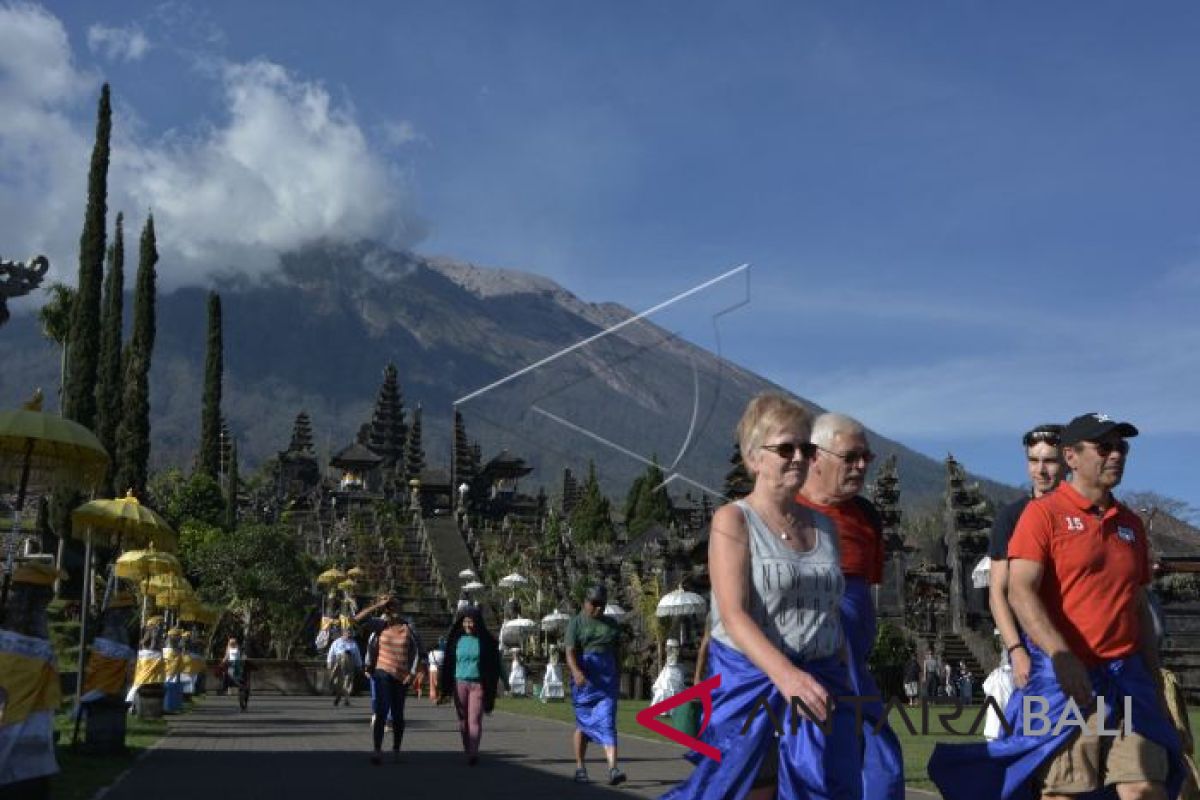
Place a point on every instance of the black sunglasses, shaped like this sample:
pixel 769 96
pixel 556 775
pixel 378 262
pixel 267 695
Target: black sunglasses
pixel 851 457
pixel 1106 449
pixel 787 450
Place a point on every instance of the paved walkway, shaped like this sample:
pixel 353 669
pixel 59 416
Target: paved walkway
pixel 302 747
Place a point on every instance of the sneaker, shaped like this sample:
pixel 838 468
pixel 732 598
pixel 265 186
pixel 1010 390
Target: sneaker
pixel 615 776
pixel 581 776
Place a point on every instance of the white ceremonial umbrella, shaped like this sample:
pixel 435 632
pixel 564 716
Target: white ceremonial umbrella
pixel 468 575
pixel 615 611
pixel 981 576
pixel 513 631
pixel 680 603
pixel 555 621
pixel 513 580
pixel 473 586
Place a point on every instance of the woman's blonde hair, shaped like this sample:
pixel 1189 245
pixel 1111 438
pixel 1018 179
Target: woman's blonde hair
pixel 766 413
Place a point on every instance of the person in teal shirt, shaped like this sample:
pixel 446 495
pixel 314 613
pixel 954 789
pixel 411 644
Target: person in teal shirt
pixel 469 674
pixel 592 642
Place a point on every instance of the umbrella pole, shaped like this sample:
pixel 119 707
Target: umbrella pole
pixel 83 626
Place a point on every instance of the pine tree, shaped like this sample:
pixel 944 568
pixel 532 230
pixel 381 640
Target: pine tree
pixel 133 434
pixel 414 454
pixel 652 506
pixel 231 500
pixel 388 430
pixel 210 411
pixel 108 378
pixel 80 396
pixel 592 519
pixel 738 482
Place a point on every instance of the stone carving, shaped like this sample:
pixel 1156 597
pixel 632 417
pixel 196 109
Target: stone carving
pixel 18 279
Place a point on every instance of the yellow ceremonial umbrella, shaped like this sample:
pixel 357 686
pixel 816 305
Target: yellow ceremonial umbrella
pixel 355 573
pixel 124 517
pixel 138 565
pixel 168 582
pixel 346 585
pixel 49 449
pixel 330 576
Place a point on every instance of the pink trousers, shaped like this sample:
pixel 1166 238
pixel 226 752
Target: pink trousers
pixel 468 704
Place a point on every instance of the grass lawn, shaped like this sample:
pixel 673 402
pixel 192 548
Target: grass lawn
pixel 81 775
pixel 917 747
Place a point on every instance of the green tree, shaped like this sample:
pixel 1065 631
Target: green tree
pixel 55 318
pixel 195 499
pixel 210 411
pixel 738 482
pixel 591 521
pixel 257 572
pixel 231 499
pixel 133 433
pixel 83 359
pixel 651 505
pixel 889 654
pixel 108 376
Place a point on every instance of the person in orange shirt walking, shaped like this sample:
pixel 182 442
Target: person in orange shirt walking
pixel 1078 569
pixel 835 478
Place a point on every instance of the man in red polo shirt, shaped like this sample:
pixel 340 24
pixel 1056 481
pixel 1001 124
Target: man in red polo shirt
pixel 1078 565
pixel 835 478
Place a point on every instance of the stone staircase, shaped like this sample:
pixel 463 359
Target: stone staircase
pixel 954 649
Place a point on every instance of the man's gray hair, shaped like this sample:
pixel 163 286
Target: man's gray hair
pixel 829 425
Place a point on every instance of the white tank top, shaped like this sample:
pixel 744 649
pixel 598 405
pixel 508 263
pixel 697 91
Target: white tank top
pixel 794 596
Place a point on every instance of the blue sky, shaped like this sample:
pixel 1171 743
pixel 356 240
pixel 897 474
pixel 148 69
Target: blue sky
pixel 962 218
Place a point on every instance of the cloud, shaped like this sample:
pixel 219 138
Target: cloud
pixel 128 43
pixel 281 162
pixel 399 133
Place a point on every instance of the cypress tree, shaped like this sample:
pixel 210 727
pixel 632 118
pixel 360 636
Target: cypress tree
pixel 738 482
pixel 592 519
pixel 108 378
pixel 133 434
pixel 460 461
pixel 210 411
pixel 83 357
pixel 231 501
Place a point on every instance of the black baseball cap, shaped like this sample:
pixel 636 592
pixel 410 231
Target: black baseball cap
pixel 598 594
pixel 1094 426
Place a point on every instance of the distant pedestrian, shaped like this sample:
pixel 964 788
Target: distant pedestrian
pixel 912 679
pixel 948 687
pixel 469 675
pixel 437 657
pixel 397 660
pixel 344 662
pixel 932 674
pixel 965 684
pixel 235 672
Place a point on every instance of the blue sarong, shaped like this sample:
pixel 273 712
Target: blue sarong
pixel 596 701
pixel 883 760
pixel 1003 768
pixel 812 765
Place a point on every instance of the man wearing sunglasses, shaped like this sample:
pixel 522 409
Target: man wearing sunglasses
pixel 1044 464
pixel 1078 568
pixel 836 474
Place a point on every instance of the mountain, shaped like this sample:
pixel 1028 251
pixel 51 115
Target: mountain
pixel 316 335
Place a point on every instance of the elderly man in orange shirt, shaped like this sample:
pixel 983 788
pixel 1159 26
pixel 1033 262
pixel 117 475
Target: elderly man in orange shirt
pixel 835 478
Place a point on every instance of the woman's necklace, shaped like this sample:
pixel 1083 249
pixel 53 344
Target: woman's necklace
pixel 788 521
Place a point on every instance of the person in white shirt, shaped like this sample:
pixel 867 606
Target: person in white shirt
pixel 344 663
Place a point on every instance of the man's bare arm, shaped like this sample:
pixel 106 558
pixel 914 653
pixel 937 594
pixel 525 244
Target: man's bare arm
pixel 1024 580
